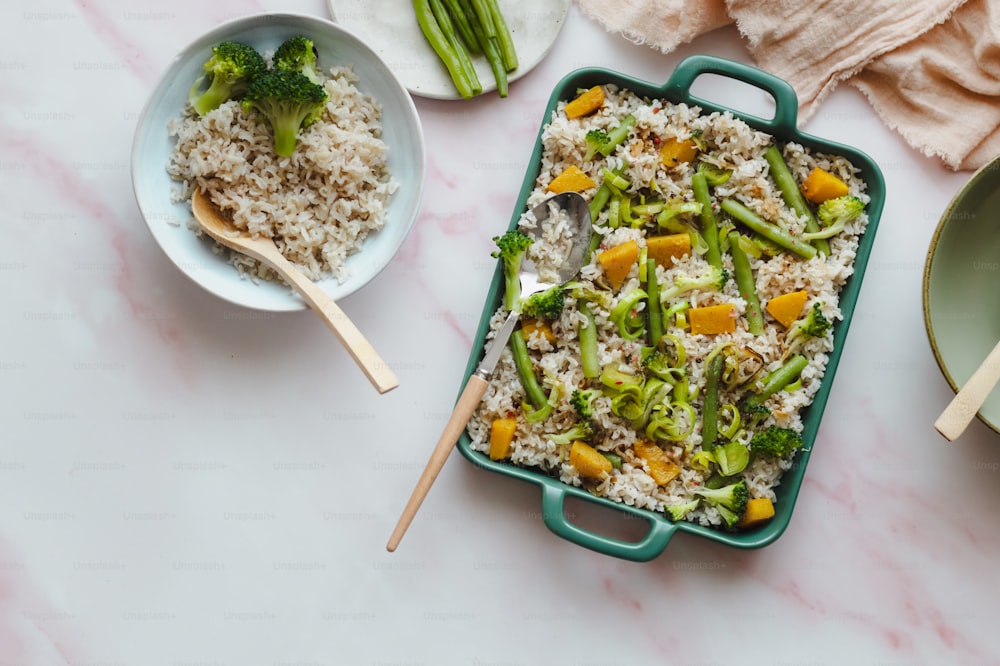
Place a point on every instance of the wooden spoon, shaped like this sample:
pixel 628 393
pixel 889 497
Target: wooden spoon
pixel 966 403
pixel 264 249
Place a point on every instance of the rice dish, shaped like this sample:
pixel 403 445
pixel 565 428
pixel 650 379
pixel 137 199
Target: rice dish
pixel 319 205
pixel 728 144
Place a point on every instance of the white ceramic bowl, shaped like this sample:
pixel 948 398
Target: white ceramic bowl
pixel 168 221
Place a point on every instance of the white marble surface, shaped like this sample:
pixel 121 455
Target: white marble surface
pixel 187 483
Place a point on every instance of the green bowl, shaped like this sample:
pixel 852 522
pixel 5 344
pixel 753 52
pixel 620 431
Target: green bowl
pixel 963 265
pixel 782 125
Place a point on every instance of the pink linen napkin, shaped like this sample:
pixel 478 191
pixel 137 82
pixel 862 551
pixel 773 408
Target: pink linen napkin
pixel 929 68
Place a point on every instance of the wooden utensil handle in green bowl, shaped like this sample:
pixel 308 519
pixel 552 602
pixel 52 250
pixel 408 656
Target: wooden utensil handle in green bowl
pixel 554 516
pixel 786 103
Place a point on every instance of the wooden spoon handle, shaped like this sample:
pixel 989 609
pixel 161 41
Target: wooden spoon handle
pixel 966 403
pixel 378 371
pixel 473 393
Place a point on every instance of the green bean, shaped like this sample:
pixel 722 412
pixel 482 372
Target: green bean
pixel 778 379
pixel 769 231
pixel 792 195
pixel 442 45
pixel 589 360
pixel 654 311
pixel 709 225
pixel 747 284
pixel 461 19
pixel 503 36
pixel 519 348
pixel 488 43
pixel 710 403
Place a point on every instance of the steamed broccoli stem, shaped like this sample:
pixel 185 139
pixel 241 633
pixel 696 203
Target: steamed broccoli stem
pixel 792 195
pixel 442 46
pixel 783 376
pixel 746 284
pixel 589 360
pixel 772 232
pixel 709 225
pixel 654 311
pixel 522 360
pixel 618 135
pixel 229 70
pixel 289 101
pixel 710 403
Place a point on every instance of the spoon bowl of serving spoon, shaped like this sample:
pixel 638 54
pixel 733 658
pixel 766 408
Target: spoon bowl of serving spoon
pixel 214 223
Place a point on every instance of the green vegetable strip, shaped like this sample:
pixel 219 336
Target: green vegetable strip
pixel 654 312
pixel 484 17
pixel 441 45
pixel 792 195
pixel 504 39
pixel 461 21
pixel 589 360
pixel 618 134
pixel 444 20
pixel 747 284
pixel 490 49
pixel 769 231
pixel 709 225
pixel 519 348
pixel 710 403
pixel 779 379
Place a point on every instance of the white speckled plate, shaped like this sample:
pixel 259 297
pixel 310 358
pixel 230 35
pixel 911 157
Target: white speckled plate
pixel 390 28
pixel 168 220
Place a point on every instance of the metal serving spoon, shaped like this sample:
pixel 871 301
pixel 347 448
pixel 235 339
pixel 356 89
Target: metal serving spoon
pixel 263 249
pixel 578 213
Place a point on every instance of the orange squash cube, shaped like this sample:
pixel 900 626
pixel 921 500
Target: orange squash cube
pixel 585 103
pixel 787 307
pixel 532 326
pixel 573 179
pixel 678 151
pixel 661 468
pixel 712 319
pixel 670 246
pixel 821 185
pixel 617 261
pixel 501 437
pixel 759 510
pixel 588 461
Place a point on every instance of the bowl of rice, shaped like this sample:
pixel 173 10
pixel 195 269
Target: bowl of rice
pixel 962 263
pixel 621 419
pixel 339 207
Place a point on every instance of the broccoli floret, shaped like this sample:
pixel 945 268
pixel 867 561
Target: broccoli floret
pixel 835 214
pixel 511 247
pixel 714 279
pixel 755 414
pixel 678 512
pixel 596 140
pixel 227 72
pixel 603 142
pixel 547 304
pixel 297 54
pixel 580 431
pixel 731 500
pixel 813 325
pixel 776 442
pixel 582 401
pixel 289 101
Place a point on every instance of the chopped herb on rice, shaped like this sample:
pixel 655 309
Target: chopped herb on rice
pixel 727 143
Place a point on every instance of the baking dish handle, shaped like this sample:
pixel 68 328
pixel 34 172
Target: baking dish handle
pixel 554 516
pixel 786 102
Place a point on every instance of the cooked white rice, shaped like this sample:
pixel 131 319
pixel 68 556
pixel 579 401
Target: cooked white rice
pixel 319 204
pixel 732 144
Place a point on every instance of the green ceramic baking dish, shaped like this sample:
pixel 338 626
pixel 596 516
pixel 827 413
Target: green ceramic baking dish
pixel 782 125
